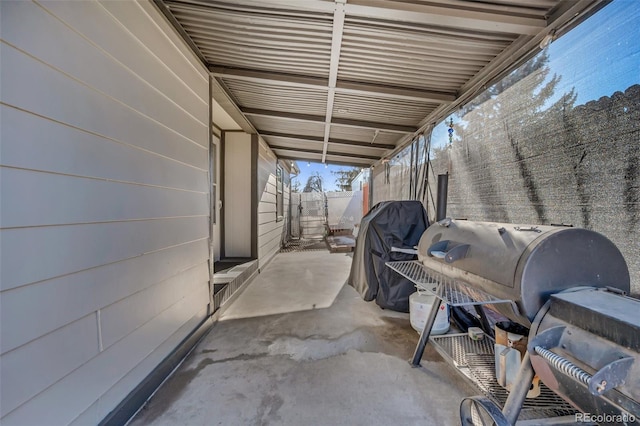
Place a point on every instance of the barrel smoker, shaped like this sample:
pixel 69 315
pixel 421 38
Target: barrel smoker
pixel 567 286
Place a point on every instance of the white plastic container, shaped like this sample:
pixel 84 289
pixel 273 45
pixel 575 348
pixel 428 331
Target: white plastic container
pixel 419 307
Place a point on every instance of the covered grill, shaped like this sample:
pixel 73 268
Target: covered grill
pixel 567 285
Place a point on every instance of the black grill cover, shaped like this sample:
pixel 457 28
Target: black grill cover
pixel 389 224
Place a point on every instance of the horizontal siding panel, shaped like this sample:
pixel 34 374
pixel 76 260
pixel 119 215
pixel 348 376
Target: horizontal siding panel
pixel 265 186
pixel 266 170
pixel 270 187
pixel 267 177
pixel 110 399
pixel 269 249
pixel 266 207
pixel 122 318
pixel 267 217
pixel 271 240
pixel 95 68
pixel 50 146
pixel 78 200
pixel 36 366
pixel 269 231
pixel 65 249
pixel 98 375
pixel 267 255
pixel 179 59
pixel 31 85
pixel 104 202
pixel 265 259
pixel 269 227
pixel 164 71
pixel 60 301
pixel 266 161
pixel 268 198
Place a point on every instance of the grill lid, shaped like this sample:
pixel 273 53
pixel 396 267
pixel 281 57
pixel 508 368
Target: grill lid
pixel 523 263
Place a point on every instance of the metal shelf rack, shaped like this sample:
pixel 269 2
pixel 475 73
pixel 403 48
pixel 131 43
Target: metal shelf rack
pixel 474 359
pixel 450 290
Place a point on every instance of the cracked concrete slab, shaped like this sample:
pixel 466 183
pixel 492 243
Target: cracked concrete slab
pixel 342 365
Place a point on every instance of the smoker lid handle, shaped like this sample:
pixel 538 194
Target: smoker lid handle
pixel 441 250
pixel 404 250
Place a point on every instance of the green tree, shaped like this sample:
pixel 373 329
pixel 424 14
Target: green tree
pixel 314 183
pixel 344 178
pixel 295 185
pixel 498 126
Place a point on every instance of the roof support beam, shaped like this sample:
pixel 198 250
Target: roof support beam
pixel 349 163
pixel 319 151
pixel 429 15
pixel 386 127
pixel 299 81
pixel 392 92
pixel 336 44
pixel 389 128
pixel 321 139
pixel 269 77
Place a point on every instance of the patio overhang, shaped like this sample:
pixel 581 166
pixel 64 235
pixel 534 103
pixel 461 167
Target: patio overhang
pixel 354 81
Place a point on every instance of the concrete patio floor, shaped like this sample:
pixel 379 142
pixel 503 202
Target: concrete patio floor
pixel 299 347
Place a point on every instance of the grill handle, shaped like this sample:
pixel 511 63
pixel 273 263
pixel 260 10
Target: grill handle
pixel 441 250
pixel 610 376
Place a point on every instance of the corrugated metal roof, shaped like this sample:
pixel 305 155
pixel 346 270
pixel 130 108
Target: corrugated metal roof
pixel 277 97
pixel 350 81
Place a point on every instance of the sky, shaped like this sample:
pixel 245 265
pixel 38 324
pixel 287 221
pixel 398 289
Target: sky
pixel 618 58
pixel 328 179
pixel 597 58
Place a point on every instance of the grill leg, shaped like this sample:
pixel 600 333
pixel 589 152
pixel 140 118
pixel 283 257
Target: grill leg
pixel 426 331
pixel 483 320
pixel 518 393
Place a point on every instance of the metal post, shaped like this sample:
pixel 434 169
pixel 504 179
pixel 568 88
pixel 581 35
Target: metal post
pixel 426 331
pixel 441 207
pixel 518 393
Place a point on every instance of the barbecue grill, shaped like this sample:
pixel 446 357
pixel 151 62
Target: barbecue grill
pixel 567 286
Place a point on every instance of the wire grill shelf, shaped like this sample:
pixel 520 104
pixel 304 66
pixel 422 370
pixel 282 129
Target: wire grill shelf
pixel 453 291
pixel 475 360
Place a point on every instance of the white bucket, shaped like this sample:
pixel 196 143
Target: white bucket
pixel 419 307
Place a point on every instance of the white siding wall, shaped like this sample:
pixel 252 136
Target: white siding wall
pixel 237 194
pixel 104 214
pixel 269 229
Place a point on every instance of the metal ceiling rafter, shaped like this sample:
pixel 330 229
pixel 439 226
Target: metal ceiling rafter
pixel 386 127
pixel 353 163
pixel 336 45
pixel 318 151
pixel 303 138
pixel 290 80
pixel 268 77
pixel 394 92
